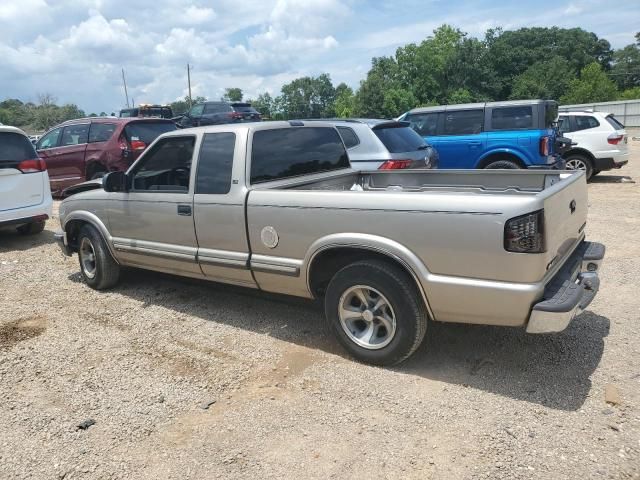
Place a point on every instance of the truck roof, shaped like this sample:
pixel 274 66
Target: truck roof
pixel 472 106
pixel 255 126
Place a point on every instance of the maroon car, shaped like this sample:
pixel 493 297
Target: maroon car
pixel 87 148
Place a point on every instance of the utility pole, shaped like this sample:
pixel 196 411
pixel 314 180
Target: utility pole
pixel 189 83
pixel 124 82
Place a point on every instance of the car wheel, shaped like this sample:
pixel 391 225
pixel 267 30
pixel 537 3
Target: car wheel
pixel 578 162
pixel 376 312
pixel 31 228
pixel 502 164
pixel 98 268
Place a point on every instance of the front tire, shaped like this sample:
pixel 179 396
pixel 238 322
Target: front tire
pixel 502 165
pixel 98 268
pixel 376 312
pixel 578 162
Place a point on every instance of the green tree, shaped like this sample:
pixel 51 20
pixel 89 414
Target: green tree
pixel 382 77
pixel 308 97
pixel 232 94
pixel 396 101
pixel 264 104
pixel 343 105
pixel 181 106
pixel 626 67
pixel 548 79
pixel 593 86
pixel 461 95
pixel 630 94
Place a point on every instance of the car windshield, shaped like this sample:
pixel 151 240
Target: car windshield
pixel 614 122
pixel 147 132
pixel 15 147
pixel 400 139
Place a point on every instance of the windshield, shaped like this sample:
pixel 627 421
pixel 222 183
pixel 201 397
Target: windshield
pixel 400 139
pixel 147 132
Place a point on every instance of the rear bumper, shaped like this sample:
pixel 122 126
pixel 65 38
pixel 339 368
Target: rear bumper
pixel 570 291
pixel 610 163
pixel 21 216
pixel 61 240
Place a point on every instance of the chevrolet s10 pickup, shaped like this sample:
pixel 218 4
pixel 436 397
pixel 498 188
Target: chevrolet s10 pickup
pixel 277 207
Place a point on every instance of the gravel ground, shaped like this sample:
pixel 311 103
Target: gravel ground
pixel 186 379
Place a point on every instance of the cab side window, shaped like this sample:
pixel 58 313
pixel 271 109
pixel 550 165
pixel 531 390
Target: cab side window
pixel 101 132
pixel 166 167
pixel 49 140
pixel 75 135
pixel 426 124
pixel 463 122
pixel 196 110
pixel 215 163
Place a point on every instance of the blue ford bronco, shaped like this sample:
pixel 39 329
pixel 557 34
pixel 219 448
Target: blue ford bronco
pixel 510 134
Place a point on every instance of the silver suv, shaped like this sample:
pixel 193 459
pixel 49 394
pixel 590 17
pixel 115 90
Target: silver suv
pixel 384 145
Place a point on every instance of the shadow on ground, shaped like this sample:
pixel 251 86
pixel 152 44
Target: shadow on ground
pixel 551 370
pixel 11 240
pixel 612 179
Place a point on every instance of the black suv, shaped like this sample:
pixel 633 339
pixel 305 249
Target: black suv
pixel 217 113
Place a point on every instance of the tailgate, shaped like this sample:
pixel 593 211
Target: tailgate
pixel 565 214
pixel 19 190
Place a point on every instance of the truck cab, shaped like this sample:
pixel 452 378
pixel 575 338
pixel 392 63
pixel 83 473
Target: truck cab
pixel 513 134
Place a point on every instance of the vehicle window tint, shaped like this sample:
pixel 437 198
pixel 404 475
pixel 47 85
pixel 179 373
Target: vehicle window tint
pixel 15 147
pixel 215 163
pixel 349 137
pixel 463 122
pixel 101 132
pixel 129 113
pixel 49 140
pixel 400 139
pixel 147 132
pixel 550 114
pixel 166 167
pixel 289 152
pixel 512 118
pixel 564 124
pixel 75 135
pixel 585 122
pixel 244 109
pixel 424 123
pixel 158 112
pixel 196 110
pixel 216 108
pixel 614 122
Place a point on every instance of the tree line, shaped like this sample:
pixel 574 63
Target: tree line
pixel 448 67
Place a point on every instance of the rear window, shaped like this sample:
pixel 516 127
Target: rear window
pixel 399 139
pixel 15 147
pixel 614 122
pixel 244 109
pixel 512 118
pixel 147 132
pixel 289 152
pixel 160 112
pixel 550 114
pixel 133 112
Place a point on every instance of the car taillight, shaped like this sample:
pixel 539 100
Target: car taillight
pixel 544 146
pixel 614 138
pixel 235 115
pixel 395 165
pixel 138 145
pixel 525 234
pixel 32 166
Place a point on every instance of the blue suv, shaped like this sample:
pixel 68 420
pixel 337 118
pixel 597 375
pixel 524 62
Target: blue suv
pixel 513 134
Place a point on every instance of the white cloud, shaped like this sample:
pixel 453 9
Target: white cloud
pixel 196 15
pixel 573 9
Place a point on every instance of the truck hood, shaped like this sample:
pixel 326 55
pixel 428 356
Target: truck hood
pixel 82 187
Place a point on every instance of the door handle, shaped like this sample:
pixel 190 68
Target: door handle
pixel 184 210
pixel 475 144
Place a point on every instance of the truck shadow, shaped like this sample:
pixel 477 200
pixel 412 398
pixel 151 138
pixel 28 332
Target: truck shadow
pixel 551 370
pixel 612 179
pixel 11 240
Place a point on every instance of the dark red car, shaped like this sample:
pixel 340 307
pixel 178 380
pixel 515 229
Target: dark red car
pixel 87 148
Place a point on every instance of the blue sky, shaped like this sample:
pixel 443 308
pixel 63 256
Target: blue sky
pixel 74 49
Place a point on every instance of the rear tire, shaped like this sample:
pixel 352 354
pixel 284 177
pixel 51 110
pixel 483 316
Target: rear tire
pixel 578 162
pixel 98 268
pixel 376 312
pixel 32 228
pixel 503 164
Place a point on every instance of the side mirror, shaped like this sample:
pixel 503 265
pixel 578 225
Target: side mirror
pixel 115 182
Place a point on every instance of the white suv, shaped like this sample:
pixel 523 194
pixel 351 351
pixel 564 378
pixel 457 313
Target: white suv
pixel 25 195
pixel 600 141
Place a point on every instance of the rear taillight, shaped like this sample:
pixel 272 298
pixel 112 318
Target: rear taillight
pixel 235 115
pixel 32 166
pixel 138 145
pixel 614 138
pixel 525 234
pixel 395 165
pixel 544 146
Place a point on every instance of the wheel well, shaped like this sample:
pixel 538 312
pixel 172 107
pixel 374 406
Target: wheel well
pixel 329 262
pixel 581 152
pixel 72 228
pixel 94 167
pixel 494 157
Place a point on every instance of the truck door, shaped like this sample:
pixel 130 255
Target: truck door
pixel 219 213
pixel 152 223
pixel 461 139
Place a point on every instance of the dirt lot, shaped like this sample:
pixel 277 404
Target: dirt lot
pixel 146 360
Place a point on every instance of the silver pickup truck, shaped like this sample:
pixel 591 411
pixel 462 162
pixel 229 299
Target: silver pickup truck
pixel 276 206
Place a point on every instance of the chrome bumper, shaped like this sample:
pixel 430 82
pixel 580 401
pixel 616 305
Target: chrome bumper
pixel 570 291
pixel 61 240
